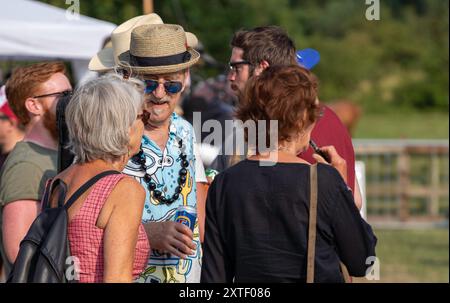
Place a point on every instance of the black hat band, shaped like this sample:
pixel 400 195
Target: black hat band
pixel 160 61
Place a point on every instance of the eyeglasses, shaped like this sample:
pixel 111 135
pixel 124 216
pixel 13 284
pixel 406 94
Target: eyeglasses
pixel 234 65
pixel 171 87
pixel 58 94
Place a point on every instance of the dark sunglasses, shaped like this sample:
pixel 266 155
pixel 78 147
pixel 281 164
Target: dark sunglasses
pixel 172 87
pixel 58 94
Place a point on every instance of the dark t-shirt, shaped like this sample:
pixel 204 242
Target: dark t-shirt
pixel 257 225
pixel 329 130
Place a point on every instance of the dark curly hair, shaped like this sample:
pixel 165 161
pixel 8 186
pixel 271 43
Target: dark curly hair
pixel 287 94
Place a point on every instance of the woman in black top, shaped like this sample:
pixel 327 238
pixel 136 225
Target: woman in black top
pixel 257 211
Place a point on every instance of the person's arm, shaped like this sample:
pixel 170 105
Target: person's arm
pixel 17 219
pixel 341 166
pixel 202 192
pixel 355 240
pixel 202 187
pixel 357 194
pixel 121 230
pixel 335 160
pixel 21 189
pixel 216 266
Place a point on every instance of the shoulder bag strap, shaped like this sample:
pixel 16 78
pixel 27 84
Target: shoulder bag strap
pixel 47 193
pixel 50 187
pixel 312 224
pixel 312 231
pixel 87 185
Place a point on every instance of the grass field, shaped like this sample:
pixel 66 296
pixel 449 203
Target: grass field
pixel 403 125
pixel 409 255
pixel 413 255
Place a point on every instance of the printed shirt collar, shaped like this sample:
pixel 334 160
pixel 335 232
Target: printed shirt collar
pixel 174 134
pixel 173 127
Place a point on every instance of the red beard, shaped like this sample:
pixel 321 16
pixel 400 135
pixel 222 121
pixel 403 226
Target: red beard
pixel 50 124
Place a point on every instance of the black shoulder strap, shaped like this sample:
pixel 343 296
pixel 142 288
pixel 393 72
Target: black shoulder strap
pixel 49 189
pixel 87 185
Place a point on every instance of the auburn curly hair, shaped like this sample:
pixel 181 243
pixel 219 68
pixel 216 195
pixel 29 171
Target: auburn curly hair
pixel 287 94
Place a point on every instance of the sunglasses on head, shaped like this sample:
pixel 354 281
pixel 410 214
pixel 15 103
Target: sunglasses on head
pixel 172 87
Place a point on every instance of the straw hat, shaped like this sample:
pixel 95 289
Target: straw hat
pixel 107 58
pixel 158 49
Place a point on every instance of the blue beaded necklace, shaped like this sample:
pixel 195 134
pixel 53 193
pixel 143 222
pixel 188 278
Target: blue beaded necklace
pixel 157 194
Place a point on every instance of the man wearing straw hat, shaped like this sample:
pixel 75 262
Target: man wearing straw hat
pixel 107 58
pixel 160 56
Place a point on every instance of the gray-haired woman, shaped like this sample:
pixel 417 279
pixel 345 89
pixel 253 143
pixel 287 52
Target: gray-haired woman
pixel 104 119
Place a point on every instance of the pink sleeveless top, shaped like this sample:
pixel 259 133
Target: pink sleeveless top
pixel 86 240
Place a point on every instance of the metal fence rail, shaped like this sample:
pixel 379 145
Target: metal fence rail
pixel 405 179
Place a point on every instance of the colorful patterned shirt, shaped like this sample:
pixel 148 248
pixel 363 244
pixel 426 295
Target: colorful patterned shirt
pixel 164 167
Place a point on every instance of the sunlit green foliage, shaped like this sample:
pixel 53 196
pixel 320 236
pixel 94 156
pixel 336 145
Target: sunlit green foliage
pixel 399 61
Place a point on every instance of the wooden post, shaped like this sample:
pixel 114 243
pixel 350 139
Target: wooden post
pixel 433 206
pixel 147 6
pixel 404 174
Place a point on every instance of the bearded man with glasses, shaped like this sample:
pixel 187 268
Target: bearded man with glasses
pixel 255 50
pixel 166 166
pixel 33 93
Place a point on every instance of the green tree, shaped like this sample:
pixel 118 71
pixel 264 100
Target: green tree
pixel 401 60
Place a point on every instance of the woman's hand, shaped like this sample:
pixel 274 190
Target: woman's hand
pixel 335 160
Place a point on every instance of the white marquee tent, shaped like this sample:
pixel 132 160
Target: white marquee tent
pixel 32 30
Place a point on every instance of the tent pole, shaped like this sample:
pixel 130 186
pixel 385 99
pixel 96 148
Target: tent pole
pixel 148 6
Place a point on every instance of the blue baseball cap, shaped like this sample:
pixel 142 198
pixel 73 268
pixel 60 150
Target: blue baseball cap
pixel 308 57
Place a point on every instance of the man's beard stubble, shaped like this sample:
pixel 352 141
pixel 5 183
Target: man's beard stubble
pixel 50 124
